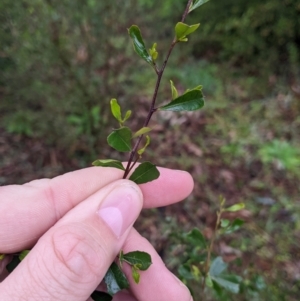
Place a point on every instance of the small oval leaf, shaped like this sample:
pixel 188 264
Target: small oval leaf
pixel 144 173
pixel 182 30
pixel 196 272
pixel 174 90
pixel 142 131
pixel 127 115
pixel 235 207
pixel 140 260
pixel 229 282
pixel 153 52
pixel 225 223
pixel 190 101
pixel 236 225
pixel 142 150
pixel 208 281
pixel 138 44
pixel 196 238
pixel 109 163
pixel 120 139
pixel 135 274
pixel 217 267
pixel 23 254
pixel 115 279
pixel 116 109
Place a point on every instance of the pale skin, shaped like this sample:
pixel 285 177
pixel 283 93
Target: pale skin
pixel 64 221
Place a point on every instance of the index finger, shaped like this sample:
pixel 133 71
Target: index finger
pixel 27 211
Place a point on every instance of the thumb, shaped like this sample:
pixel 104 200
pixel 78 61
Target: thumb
pixel 71 259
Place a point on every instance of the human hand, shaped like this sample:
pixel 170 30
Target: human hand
pixel 78 223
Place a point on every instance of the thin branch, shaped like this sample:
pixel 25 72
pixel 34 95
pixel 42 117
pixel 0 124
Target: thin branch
pixel 152 108
pixel 210 248
pixel 186 10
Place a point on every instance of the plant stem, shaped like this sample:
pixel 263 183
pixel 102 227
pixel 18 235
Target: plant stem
pixel 186 10
pixel 152 108
pixel 210 247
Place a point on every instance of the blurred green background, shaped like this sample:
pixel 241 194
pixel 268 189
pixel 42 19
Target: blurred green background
pixel 62 61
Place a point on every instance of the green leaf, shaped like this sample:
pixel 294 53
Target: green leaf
pixel 260 283
pixel 135 274
pixel 229 282
pixel 139 259
pixel 199 87
pixel 182 30
pixel 185 272
pixel 23 254
pixel 120 139
pixel 235 207
pixel 13 264
pixel 141 132
pixel 109 163
pixel 2 256
pixel 142 150
pixel 144 173
pixel 196 272
pixel 115 279
pixel 138 44
pixel 236 225
pixel 174 90
pixel 127 115
pixel 190 101
pixel 218 289
pixel 217 267
pixel 153 52
pixel 225 223
pixel 208 281
pixel 116 109
pixel 117 113
pixel 196 4
pixel 196 238
pixel 121 254
pixel 101 296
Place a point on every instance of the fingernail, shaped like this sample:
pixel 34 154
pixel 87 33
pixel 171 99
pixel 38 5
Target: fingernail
pixel 121 208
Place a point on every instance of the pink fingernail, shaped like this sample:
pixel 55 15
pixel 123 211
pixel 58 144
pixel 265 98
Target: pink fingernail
pixel 121 208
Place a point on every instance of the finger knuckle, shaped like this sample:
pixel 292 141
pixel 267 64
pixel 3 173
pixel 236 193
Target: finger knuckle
pixel 76 253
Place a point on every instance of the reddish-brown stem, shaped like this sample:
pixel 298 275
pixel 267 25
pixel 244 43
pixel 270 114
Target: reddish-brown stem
pixel 151 111
pixel 134 162
pixel 152 108
pixel 186 10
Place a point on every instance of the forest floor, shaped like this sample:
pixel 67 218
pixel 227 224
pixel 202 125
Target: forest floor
pixel 247 151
